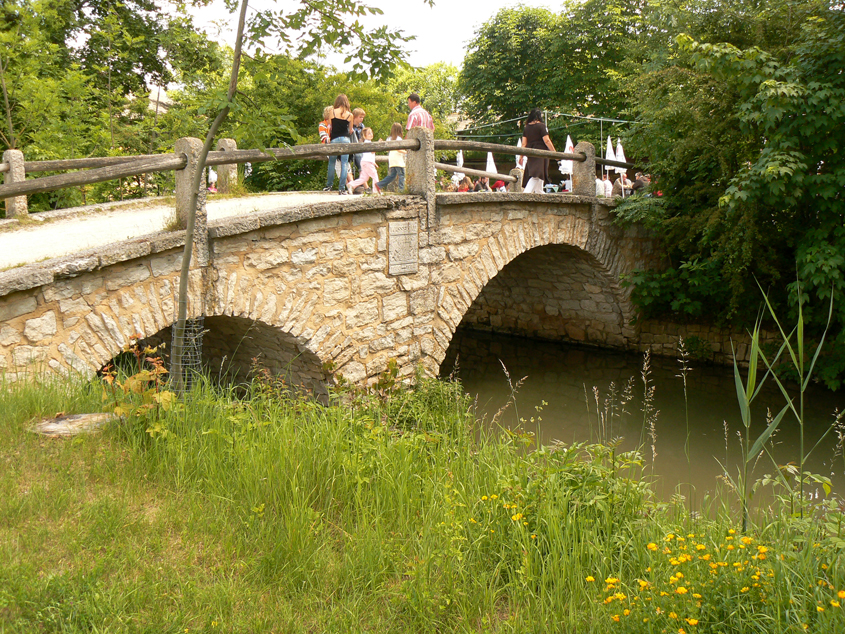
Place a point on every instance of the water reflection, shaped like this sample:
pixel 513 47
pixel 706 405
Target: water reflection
pixel 568 378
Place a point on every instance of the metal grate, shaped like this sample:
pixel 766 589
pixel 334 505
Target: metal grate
pixel 191 352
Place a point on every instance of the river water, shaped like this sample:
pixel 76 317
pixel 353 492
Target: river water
pixel 567 378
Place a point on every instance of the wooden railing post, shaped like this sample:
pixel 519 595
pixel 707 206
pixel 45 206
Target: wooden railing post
pixel 15 207
pixel 420 171
pixel 227 175
pixel 516 188
pixel 584 172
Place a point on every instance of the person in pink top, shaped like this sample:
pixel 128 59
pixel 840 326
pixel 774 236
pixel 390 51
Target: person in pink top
pixel 419 117
pixel 368 166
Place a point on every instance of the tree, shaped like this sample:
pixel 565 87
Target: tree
pixel 747 144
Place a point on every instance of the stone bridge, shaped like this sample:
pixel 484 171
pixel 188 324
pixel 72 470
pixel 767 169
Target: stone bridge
pixel 351 284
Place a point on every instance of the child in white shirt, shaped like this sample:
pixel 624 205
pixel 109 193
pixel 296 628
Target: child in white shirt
pixel 368 164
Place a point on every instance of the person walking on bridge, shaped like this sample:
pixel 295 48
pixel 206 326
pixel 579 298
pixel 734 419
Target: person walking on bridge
pixel 419 117
pixel 340 133
pixel 536 136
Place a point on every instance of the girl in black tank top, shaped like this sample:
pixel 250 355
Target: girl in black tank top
pixel 340 127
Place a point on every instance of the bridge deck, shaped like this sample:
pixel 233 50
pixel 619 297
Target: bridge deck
pixel 69 231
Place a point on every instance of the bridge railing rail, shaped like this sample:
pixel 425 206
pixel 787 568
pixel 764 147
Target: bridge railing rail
pixel 101 169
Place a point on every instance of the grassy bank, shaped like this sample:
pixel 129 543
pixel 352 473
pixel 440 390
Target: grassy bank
pixel 383 512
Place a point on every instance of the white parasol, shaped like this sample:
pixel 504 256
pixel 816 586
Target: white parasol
pixel 620 156
pixel 566 166
pixel 609 155
pixel 457 177
pixel 491 164
pixel 519 158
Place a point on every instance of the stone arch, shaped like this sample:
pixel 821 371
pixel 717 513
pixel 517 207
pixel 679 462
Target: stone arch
pixel 230 344
pixel 519 261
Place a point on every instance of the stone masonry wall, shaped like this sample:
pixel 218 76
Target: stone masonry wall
pixel 553 292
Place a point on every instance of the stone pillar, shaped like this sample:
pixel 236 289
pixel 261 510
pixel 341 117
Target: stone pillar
pixel 15 207
pixel 227 175
pixel 420 172
pixel 516 188
pixel 584 172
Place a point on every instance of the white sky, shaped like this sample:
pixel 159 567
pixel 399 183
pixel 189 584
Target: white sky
pixel 442 31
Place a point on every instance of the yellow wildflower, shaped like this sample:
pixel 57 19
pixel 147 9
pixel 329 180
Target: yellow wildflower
pixel 615 617
pixel 672 615
pixel 834 603
pixel 841 594
pixel 590 578
pixel 747 540
pixel 731 531
pixel 819 608
pixel 611 580
pixel 692 621
pixel 626 611
pixel 700 547
pixel 483 498
pixel 681 590
pixel 494 497
pixel 652 546
pixel 744 589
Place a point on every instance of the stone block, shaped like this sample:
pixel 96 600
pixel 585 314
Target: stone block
pixel 41 328
pixel 24 278
pixel 304 256
pixel 394 306
pixel 11 308
pixel 127 277
pixel 335 291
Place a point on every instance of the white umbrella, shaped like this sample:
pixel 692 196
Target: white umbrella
pixel 457 177
pixel 609 155
pixel 566 166
pixel 519 157
pixel 620 156
pixel 491 164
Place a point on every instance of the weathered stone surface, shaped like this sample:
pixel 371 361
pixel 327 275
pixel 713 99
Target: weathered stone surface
pixel 24 278
pixel 72 267
pixel 16 306
pixel 40 328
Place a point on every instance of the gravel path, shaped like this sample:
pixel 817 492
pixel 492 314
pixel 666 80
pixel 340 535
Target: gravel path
pixel 65 232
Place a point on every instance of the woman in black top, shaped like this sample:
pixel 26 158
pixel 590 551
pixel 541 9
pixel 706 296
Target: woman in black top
pixel 341 129
pixel 536 136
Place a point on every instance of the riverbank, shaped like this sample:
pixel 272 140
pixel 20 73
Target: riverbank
pixel 384 512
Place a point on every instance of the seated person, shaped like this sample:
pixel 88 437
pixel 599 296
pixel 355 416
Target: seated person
pixel 499 186
pixel 466 184
pixel 641 182
pixel 619 183
pixel 483 185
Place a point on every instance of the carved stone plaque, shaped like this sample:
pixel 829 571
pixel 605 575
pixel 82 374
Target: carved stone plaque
pixel 403 247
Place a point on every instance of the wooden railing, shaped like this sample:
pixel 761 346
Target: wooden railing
pixel 100 169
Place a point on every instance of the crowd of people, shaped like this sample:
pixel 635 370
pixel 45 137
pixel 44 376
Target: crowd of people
pixel 343 124
pixel 358 172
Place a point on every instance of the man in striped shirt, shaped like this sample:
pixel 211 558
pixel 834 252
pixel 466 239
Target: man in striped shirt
pixel 418 118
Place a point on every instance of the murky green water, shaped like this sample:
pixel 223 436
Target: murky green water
pixel 568 378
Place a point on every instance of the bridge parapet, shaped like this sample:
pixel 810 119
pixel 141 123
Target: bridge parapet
pixel 354 283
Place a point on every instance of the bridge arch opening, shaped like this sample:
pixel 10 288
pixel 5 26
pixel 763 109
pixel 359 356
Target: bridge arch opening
pixel 232 347
pixel 553 292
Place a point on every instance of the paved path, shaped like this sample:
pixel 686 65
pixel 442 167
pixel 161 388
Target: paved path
pixel 54 234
